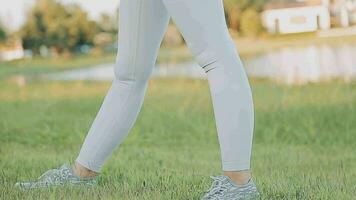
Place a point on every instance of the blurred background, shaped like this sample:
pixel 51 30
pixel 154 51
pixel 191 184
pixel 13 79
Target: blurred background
pixel 289 41
pixel 56 65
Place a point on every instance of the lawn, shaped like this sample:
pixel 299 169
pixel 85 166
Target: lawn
pixel 38 65
pixel 304 145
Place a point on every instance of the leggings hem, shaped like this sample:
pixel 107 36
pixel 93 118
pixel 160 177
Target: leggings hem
pixel 87 165
pixel 235 166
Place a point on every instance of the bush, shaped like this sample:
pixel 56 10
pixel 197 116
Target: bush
pixel 2 34
pixel 251 23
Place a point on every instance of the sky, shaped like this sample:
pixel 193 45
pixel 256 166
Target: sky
pixel 12 12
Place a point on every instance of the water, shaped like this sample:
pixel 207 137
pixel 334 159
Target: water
pixel 105 72
pixel 286 65
pixel 304 65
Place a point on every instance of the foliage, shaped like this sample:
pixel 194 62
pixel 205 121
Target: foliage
pixel 61 27
pixel 234 10
pixel 108 23
pixel 3 34
pixel 107 32
pixel 250 23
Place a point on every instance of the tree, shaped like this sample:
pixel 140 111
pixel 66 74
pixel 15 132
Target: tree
pixel 251 23
pixel 60 27
pixel 108 23
pixel 3 34
pixel 235 8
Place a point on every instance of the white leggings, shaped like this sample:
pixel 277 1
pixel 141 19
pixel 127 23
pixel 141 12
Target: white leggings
pixel 142 27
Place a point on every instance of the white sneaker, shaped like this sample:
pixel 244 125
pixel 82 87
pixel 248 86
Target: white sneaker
pixel 223 188
pixel 58 177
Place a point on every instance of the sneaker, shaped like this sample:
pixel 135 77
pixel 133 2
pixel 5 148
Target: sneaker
pixel 58 177
pixel 223 188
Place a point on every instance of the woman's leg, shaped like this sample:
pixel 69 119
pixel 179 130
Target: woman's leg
pixel 203 26
pixel 141 29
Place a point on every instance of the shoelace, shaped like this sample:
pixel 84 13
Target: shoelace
pixel 217 188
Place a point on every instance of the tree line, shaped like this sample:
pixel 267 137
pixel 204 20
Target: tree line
pixel 67 27
pixel 61 27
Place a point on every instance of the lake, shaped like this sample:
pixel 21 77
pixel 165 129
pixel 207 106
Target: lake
pixel 295 65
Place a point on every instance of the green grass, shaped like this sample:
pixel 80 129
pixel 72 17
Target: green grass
pixel 40 65
pixel 304 146
pixel 37 65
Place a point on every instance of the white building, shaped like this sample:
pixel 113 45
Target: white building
pixel 296 17
pixel 14 52
pixel 344 11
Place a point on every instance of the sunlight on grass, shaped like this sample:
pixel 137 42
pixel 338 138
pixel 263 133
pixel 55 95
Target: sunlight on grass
pixel 303 147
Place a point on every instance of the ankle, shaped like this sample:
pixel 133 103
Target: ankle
pixel 239 177
pixel 82 171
